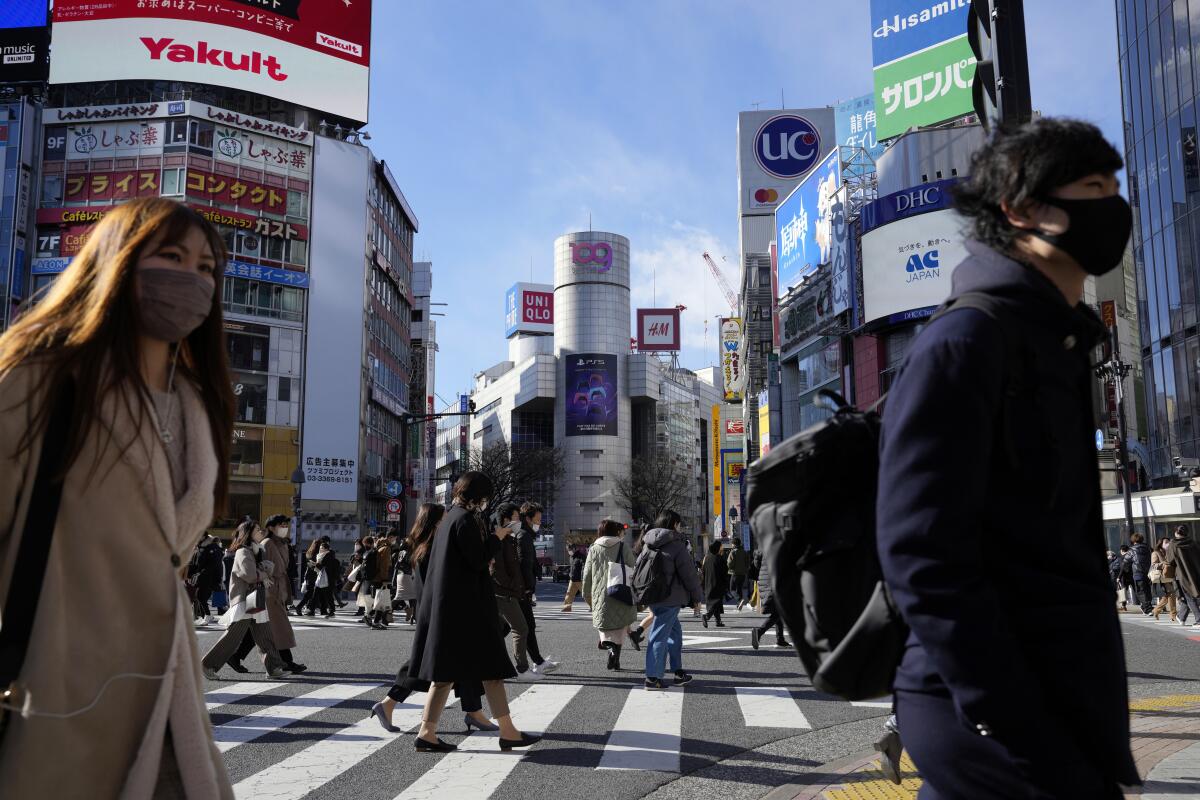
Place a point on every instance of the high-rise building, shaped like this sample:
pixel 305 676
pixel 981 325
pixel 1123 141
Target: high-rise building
pixel 1160 81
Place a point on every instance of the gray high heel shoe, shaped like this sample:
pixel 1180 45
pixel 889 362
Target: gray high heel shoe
pixel 471 722
pixel 378 713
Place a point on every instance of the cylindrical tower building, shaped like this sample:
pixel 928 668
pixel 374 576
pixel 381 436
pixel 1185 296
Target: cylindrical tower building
pixel 591 341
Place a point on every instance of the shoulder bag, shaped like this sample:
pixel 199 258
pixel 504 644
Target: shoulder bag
pixel 29 569
pixel 618 583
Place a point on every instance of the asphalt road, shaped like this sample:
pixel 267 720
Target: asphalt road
pixel 750 721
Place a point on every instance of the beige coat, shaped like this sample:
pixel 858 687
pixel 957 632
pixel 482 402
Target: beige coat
pixel 111 604
pixel 276 551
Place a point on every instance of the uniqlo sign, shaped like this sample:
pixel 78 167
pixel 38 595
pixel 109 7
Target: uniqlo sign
pixel 314 53
pixel 529 308
pixel 658 329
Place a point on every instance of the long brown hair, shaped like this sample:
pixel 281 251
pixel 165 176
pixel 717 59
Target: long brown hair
pixel 420 538
pixel 85 329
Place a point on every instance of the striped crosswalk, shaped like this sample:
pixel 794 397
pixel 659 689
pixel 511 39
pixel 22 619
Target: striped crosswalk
pixel 317 737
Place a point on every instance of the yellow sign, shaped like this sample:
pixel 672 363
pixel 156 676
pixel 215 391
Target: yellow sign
pixel 764 429
pixel 716 460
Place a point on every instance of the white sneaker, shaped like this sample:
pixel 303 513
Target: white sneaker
pixel 530 675
pixel 546 667
pixel 210 673
pixel 210 620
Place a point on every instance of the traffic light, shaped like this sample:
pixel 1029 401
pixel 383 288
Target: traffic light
pixel 471 406
pixel 1000 91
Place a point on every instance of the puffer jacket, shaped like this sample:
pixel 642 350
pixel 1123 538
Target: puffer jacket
pixel 680 568
pixel 608 614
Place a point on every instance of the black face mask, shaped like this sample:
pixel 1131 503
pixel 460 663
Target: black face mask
pixel 1099 231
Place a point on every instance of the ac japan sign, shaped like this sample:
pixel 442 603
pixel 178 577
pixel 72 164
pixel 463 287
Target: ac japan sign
pixel 310 52
pixel 529 308
pixel 658 330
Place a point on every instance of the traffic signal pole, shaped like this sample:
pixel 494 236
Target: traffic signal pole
pixel 1116 370
pixel 1000 91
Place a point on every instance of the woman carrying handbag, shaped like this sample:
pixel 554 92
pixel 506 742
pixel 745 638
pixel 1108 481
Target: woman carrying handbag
pixel 1162 575
pixel 606 588
pixel 247 614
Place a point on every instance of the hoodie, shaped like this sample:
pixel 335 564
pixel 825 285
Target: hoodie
pixel 680 568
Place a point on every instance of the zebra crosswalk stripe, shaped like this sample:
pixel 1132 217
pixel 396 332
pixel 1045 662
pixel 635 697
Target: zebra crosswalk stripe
pixel 646 735
pixel 259 723
pixel 315 766
pixel 478 767
pixel 236 691
pixel 770 707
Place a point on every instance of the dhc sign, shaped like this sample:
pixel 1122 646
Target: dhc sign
pixel 787 146
pixel 908 203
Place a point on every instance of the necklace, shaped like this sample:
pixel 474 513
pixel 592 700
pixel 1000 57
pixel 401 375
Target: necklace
pixel 164 428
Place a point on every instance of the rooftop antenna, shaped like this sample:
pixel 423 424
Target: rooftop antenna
pixel 589 222
pixel 756 105
pixel 782 102
pixel 655 285
pixel 531 269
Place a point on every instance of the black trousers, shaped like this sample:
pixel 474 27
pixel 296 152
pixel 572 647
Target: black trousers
pixel 1145 593
pixel 956 762
pixel 773 620
pixel 470 695
pixel 531 642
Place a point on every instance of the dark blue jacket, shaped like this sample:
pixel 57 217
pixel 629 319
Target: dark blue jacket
pixel 1141 560
pixel 1025 640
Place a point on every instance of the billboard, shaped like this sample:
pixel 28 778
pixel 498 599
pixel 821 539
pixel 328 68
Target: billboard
pixel 764 422
pixel 529 308
pixel 855 123
pixel 776 150
pixel 24 41
pixel 658 330
pixel 714 449
pixel 809 313
pixel 842 255
pixel 333 388
pixel 923 64
pixel 733 361
pixel 804 224
pixel 591 387
pixel 310 52
pixel 907 264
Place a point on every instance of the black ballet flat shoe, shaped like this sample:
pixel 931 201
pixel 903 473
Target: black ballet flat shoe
pixel 422 746
pixel 525 741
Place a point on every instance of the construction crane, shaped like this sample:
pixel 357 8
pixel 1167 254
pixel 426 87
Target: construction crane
pixel 730 295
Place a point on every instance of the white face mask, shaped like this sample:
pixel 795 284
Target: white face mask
pixel 537 526
pixel 515 525
pixel 282 533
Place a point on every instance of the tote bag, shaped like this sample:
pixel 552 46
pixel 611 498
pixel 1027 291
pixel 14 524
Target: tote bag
pixel 618 581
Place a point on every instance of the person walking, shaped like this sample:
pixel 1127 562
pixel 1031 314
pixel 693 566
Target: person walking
pixel 1140 558
pixel 407 582
pixel 1162 575
pixel 531 523
pixel 510 586
pixel 1184 555
pixel 738 564
pixel 247 615
pixel 1004 693
pixel 381 579
pixel 364 586
pixel 458 638
pixel 418 544
pixel 1116 563
pixel 117 423
pixel 329 573
pixel 715 580
pixel 575 584
pixel 766 600
pixel 609 567
pixel 308 584
pixel 205 569
pixel 665 640
pixel 277 552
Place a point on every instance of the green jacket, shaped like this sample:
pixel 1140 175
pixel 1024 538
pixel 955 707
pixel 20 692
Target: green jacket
pixel 739 561
pixel 607 614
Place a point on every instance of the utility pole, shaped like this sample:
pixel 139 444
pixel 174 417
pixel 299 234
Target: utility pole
pixel 1116 370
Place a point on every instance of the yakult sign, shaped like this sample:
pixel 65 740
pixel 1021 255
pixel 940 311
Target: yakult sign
pixel 310 52
pixel 529 308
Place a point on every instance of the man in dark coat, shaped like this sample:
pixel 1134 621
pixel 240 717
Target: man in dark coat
pixel 1013 680
pixel 1141 572
pixel 531 523
pixel 1184 553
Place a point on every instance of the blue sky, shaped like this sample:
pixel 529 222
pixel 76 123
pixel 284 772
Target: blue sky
pixel 507 124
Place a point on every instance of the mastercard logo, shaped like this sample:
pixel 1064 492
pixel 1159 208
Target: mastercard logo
pixel 766 196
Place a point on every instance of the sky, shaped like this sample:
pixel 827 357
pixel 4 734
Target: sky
pixel 509 124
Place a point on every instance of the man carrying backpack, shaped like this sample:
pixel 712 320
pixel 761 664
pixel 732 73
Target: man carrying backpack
pixel 665 579
pixel 1004 693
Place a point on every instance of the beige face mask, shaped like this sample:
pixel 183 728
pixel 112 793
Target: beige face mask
pixel 172 303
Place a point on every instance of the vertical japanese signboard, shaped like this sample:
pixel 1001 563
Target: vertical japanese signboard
pixel 922 61
pixel 715 467
pixel 804 224
pixel 733 359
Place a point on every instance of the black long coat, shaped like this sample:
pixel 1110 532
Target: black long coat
pixel 458 635
pixel 1030 646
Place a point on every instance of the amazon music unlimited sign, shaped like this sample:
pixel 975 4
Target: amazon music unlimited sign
pixel 313 53
pixel 777 150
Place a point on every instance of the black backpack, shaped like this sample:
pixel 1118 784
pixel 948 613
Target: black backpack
pixel 650 582
pixel 811 506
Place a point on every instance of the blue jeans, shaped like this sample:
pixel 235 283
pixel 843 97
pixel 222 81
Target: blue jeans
pixel 665 638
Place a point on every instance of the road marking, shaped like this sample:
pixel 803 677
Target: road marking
pixel 689 641
pixel 313 767
pixel 478 767
pixel 236 691
pixel 883 703
pixel 647 734
pixel 268 720
pixel 770 707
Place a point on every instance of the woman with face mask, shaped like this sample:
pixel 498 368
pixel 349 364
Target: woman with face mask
pixel 278 553
pixel 458 639
pixel 116 417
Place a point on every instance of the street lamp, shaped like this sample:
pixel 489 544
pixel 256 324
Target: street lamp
pixel 297 481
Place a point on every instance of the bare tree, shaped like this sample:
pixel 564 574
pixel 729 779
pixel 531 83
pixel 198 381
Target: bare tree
pixel 653 485
pixel 520 474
